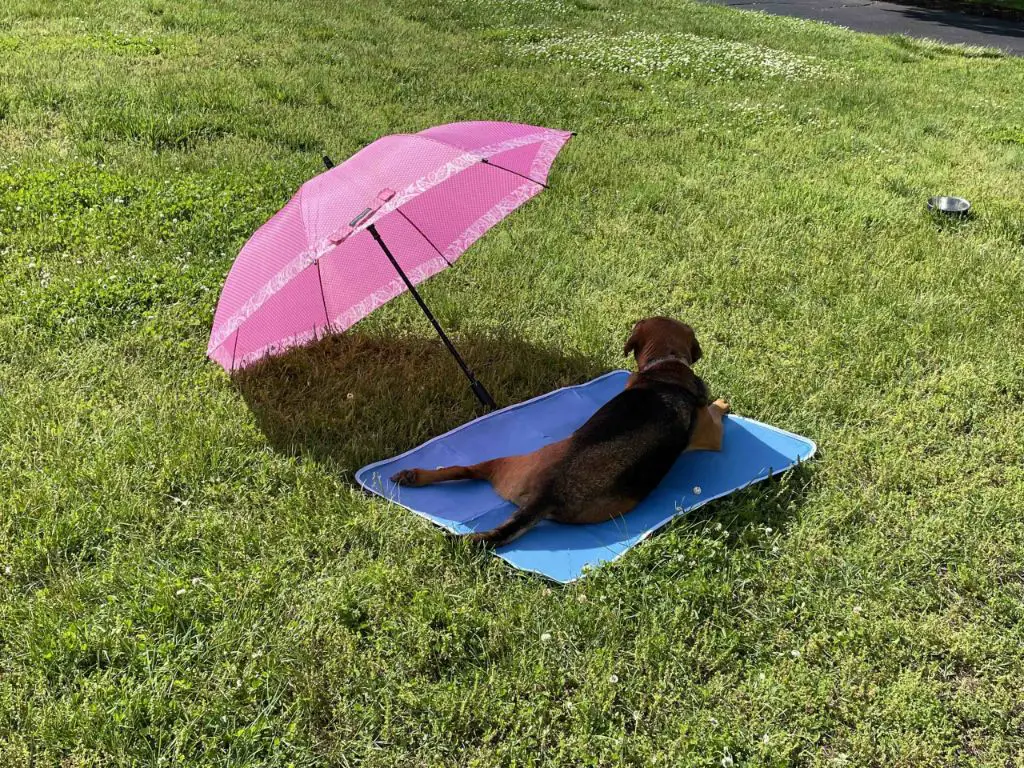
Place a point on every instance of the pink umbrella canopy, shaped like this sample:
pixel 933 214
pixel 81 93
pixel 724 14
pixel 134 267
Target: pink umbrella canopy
pixel 353 238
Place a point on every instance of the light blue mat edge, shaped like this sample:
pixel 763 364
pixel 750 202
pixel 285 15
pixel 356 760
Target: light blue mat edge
pixel 368 471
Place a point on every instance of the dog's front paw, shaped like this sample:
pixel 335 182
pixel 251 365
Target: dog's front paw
pixel 409 477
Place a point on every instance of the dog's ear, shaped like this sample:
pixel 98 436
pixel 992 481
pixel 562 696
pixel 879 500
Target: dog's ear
pixel 695 351
pixel 633 342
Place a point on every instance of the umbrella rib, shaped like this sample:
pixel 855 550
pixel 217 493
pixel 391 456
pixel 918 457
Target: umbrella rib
pixel 234 349
pixel 323 298
pixel 413 223
pixel 485 161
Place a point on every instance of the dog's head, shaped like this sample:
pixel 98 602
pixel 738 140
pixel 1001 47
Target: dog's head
pixel 657 337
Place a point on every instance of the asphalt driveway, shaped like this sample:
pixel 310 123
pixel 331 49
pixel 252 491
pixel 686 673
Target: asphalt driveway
pixel 889 18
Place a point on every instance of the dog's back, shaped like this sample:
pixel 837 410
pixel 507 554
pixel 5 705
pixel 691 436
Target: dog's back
pixel 624 450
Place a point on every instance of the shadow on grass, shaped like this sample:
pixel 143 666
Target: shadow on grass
pixel 768 503
pixel 361 396
pixel 743 520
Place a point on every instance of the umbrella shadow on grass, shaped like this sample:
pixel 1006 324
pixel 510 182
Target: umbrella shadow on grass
pixel 366 395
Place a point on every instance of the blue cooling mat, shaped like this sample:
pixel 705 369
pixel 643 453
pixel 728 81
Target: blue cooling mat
pixel 751 452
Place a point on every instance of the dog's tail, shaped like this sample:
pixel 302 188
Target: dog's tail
pixel 522 520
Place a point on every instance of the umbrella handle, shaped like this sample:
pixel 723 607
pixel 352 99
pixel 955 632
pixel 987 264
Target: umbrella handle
pixel 478 389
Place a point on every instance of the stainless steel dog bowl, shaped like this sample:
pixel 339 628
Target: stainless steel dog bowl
pixel 950 206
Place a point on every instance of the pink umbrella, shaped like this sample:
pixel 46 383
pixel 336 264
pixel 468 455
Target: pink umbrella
pixel 353 238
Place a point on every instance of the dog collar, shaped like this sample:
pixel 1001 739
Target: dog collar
pixel 660 360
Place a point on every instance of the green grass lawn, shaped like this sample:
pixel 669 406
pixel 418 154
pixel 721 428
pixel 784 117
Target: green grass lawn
pixel 188 575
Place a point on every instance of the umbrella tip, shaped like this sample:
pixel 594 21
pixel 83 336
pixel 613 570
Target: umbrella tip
pixel 328 163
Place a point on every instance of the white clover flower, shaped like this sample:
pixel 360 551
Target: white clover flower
pixel 644 53
pixel 545 637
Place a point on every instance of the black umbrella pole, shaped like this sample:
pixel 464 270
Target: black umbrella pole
pixel 478 389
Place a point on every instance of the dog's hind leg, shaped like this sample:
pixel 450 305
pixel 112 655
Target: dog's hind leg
pixel 508 475
pixel 515 478
pixel 417 477
pixel 522 520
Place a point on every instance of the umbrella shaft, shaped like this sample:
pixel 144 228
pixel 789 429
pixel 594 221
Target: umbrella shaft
pixel 478 389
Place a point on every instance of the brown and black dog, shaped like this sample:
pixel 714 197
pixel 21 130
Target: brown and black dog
pixel 607 466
